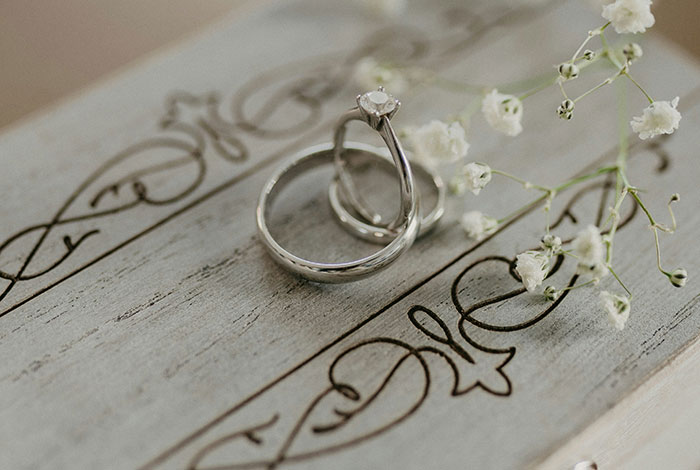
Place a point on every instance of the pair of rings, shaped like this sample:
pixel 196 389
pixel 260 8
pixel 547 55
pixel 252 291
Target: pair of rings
pixel 375 108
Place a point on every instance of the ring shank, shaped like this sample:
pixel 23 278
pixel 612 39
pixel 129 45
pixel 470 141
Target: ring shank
pixel 355 224
pixel 333 272
pixel 346 182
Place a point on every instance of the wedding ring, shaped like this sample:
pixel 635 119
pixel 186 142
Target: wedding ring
pixel 353 222
pixel 409 223
pixel 375 108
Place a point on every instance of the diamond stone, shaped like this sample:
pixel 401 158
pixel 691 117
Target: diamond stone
pixel 377 102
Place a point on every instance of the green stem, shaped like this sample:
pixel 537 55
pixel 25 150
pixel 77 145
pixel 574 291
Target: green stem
pixel 577 286
pixel 563 92
pixel 651 100
pixel 454 85
pixel 617 278
pixel 520 180
pixel 522 209
pixel 654 229
pixel 579 179
pixel 591 34
pixel 643 207
pixel 621 183
pixel 607 81
pixel 609 53
pixel 539 88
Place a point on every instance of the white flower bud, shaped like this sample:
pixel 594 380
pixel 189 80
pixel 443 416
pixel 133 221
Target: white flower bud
pixel 477 225
pixel 437 142
pixel 660 117
pixel 588 246
pixel 588 54
pixel 568 70
pixel 476 176
pixel 532 267
pixel 503 112
pixel 551 293
pixel 551 244
pixel 678 277
pixel 629 16
pixel 617 307
pixel 566 109
pixel 632 51
pixel 370 74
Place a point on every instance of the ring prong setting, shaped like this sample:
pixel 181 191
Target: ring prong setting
pixel 377 104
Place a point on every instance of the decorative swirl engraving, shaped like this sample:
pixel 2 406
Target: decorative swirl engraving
pixel 376 383
pixel 170 168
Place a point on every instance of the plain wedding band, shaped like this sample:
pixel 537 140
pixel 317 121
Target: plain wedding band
pixel 408 223
pixel 355 223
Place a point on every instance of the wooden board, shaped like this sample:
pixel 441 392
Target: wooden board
pixel 144 326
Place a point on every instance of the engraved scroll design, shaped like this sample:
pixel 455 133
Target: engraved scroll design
pixel 169 168
pixel 353 395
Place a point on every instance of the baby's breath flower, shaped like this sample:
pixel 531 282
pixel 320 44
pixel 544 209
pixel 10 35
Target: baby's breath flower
pixel 588 246
pixel 632 51
pixel 551 293
pixel 438 142
pixel 568 71
pixel 588 54
pixel 476 176
pixel 629 16
pixel 503 112
pixel 566 109
pixel 596 271
pixel 370 74
pixel 678 277
pixel 532 267
pixel 660 117
pixel 551 244
pixel 617 308
pixel 384 8
pixel 478 225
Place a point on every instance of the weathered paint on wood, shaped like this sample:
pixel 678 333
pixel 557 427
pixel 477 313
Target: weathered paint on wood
pixel 143 325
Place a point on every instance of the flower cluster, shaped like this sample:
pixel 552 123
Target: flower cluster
pixel 438 142
pixel 445 142
pixel 503 112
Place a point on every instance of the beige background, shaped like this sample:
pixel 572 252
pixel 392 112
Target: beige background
pixel 50 49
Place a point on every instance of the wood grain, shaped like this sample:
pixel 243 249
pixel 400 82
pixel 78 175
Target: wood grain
pixel 146 327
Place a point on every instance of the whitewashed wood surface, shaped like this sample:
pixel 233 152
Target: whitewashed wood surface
pixel 143 326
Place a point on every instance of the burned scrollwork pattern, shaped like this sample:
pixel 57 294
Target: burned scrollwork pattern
pixel 344 399
pixel 192 132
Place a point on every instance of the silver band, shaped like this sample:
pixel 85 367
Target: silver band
pixel 381 123
pixel 408 222
pixel 373 232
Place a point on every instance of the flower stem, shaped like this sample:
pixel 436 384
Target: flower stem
pixel 654 228
pixel 651 100
pixel 590 36
pixel 617 278
pixel 609 53
pixel 579 179
pixel 522 209
pixel 621 183
pixel 537 89
pixel 455 85
pixel 577 286
pixel 525 183
pixel 607 81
